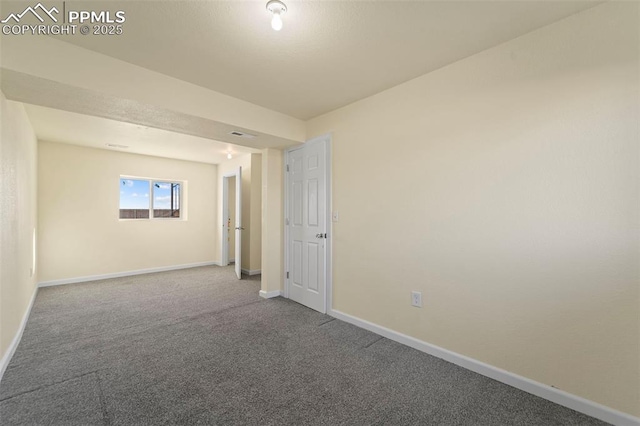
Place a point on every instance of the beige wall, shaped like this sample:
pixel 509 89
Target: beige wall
pixel 251 250
pixel 255 246
pixel 18 207
pixel 517 214
pixel 272 220
pixel 78 201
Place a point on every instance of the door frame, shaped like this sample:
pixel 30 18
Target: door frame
pixel 224 243
pixel 328 293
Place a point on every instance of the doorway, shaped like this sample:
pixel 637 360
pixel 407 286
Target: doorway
pixel 232 221
pixel 308 225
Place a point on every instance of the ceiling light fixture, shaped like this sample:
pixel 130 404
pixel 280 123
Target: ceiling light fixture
pixel 277 8
pixel 229 156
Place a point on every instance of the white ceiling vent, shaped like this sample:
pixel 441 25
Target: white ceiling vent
pixel 115 145
pixel 242 134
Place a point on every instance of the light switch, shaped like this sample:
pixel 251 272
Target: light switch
pixel 335 216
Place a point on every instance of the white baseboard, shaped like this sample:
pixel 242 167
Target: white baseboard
pixel 6 358
pixel 123 274
pixel 251 271
pixel 270 294
pixel 558 396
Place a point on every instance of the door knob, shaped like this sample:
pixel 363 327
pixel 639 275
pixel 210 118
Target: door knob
pixel 240 228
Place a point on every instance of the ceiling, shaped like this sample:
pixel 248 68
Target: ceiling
pixel 55 125
pixel 329 53
pixel 29 89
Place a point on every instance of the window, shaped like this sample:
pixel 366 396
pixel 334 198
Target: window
pixel 166 199
pixel 146 198
pixel 134 199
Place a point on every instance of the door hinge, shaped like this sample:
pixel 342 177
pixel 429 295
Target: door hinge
pixel 286 221
pixel 287 275
pixel 287 167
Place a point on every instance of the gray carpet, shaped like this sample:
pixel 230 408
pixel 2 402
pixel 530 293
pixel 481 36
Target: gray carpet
pixel 198 347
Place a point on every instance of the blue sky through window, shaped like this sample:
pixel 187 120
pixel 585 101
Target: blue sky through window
pixel 162 195
pixel 134 194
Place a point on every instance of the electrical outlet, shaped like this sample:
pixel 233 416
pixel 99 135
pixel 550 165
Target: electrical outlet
pixel 416 299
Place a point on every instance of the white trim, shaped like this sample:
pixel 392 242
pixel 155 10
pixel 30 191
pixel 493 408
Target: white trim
pixel 251 271
pixel 6 358
pixel 285 224
pixel 558 396
pixel 124 274
pixel 270 294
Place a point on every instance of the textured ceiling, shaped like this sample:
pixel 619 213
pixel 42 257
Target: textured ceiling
pixel 96 132
pixel 28 89
pixel 329 53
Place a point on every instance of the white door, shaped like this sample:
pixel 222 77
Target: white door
pixel 307 221
pixel 239 228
